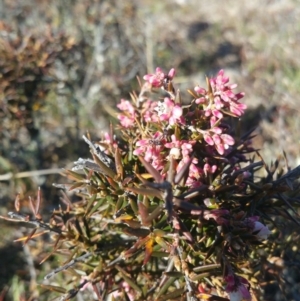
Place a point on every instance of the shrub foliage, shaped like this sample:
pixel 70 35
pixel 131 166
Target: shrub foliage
pixel 173 204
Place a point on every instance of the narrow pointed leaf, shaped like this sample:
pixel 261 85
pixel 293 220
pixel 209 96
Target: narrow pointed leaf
pixel 118 163
pixel 17 202
pixel 207 267
pixel 74 175
pixel 143 178
pixel 183 172
pixel 54 288
pixel 179 225
pixel 154 214
pixel 145 191
pixel 171 296
pixel 90 203
pixel 31 235
pixel 144 214
pixel 187 206
pixel 191 92
pixel 156 175
pixel 148 250
pixel 193 192
pixel 99 207
pixel 77 185
pixel 104 169
pixel 162 243
pixel 165 287
pixel 138 232
pixel 282 197
pixel 128 220
pixel 171 171
pixel 38 202
pixel 129 280
pixel 112 183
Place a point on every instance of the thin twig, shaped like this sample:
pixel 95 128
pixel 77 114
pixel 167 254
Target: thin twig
pixel 17 217
pixel 69 264
pixel 28 174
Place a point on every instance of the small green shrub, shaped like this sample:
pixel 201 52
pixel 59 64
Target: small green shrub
pixel 173 206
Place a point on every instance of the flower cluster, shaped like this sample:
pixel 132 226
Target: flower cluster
pixel 158 79
pixel 171 206
pixel 220 97
pixel 204 120
pixel 198 139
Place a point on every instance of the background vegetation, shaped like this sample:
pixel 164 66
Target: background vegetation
pixel 61 62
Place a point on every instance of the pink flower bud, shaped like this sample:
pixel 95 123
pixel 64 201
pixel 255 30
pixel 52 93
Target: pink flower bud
pixel 171 73
pixel 200 91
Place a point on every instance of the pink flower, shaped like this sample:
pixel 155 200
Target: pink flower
pixel 260 230
pixel 237 108
pixel 217 113
pixel 185 147
pixel 221 141
pixel 124 288
pixel 150 115
pixel 125 105
pixel 128 119
pixel 237 288
pixel 109 141
pixel 157 79
pixel 200 91
pixel 207 137
pixel 169 112
pixel 209 169
pixel 174 143
pixel 195 172
pixel 224 96
pixel 151 149
pixel 217 215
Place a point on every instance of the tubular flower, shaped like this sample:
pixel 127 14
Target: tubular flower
pixel 169 112
pixel 157 79
pixel 221 142
pixel 225 97
pixel 151 149
pixel 260 230
pixel 128 119
pixel 149 113
pixel 222 97
pixel 237 288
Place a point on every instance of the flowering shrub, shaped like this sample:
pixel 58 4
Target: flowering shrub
pixel 171 208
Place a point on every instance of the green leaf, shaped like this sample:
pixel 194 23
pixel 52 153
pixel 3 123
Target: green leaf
pixel 129 280
pixel 165 287
pixel 145 191
pixel 119 165
pixel 99 207
pixel 144 214
pixel 74 175
pixel 105 169
pixel 170 296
